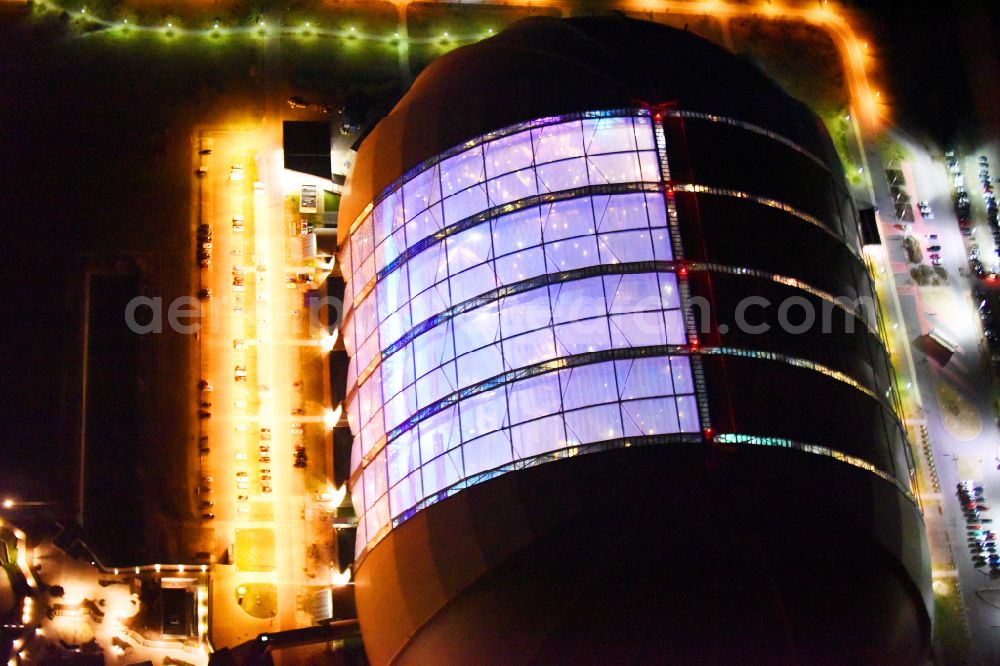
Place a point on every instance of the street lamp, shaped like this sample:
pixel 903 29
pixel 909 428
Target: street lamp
pixel 329 340
pixel 332 416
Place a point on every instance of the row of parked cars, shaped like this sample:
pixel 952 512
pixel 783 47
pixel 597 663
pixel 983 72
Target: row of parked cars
pixel 204 252
pixel 982 541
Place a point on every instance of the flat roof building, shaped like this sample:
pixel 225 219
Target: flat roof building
pixel 617 385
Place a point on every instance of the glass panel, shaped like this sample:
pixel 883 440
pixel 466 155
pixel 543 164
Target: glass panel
pixel 533 397
pixel 388 216
pixel 656 207
pixel 364 274
pixel 476 328
pixel 433 348
pixel 483 413
pixel 468 248
pixel 513 186
pixel 528 348
pixel 421 191
pixel 361 536
pixel 569 254
pixel 426 223
pixel 687 410
pixel 397 372
pixel 625 246
pixel 462 171
pixel 565 175
pixel 390 249
pixel 680 367
pixel 594 424
pixel 669 296
pixel 649 165
pixel 403 456
pixel 644 378
pixel 377 516
pixel 654 416
pixel 479 365
pixel 577 299
pixel 584 336
pixel 362 242
pixel 368 351
pixel 508 154
pixel 662 248
pixel 632 292
pixel 618 168
pixel 427 268
pixel 358 498
pixel 487 452
pixel 526 311
pixel 643 133
pixel 556 142
pixel 517 231
pixel 370 397
pixel 638 329
pixel 537 437
pixel 376 479
pixel 406 494
pixel 520 266
pixel 392 292
pixel 465 204
pixel 676 334
pixel 588 385
pixel 436 384
pixel 472 282
pixel 393 328
pixel 621 211
pixel 348 334
pixel 608 135
pixel 442 472
pixel 372 433
pixel 353 415
pixel 439 433
pixel 564 219
pixel 365 318
pixel 400 408
pixel 433 301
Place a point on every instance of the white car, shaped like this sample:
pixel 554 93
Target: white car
pixel 296 428
pixel 237 223
pixel 236 172
pixel 241 455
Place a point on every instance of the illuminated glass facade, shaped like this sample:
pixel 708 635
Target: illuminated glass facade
pixel 479 281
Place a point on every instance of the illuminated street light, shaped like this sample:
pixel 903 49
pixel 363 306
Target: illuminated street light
pixel 340 578
pixel 334 496
pixel 332 416
pixel 8 503
pixel 329 340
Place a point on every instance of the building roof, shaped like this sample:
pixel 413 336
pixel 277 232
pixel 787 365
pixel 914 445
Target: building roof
pixel 543 67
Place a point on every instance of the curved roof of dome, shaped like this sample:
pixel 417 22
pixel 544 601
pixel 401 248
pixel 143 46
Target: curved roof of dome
pixel 546 66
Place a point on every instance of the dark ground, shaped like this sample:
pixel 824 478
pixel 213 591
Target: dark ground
pixel 941 61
